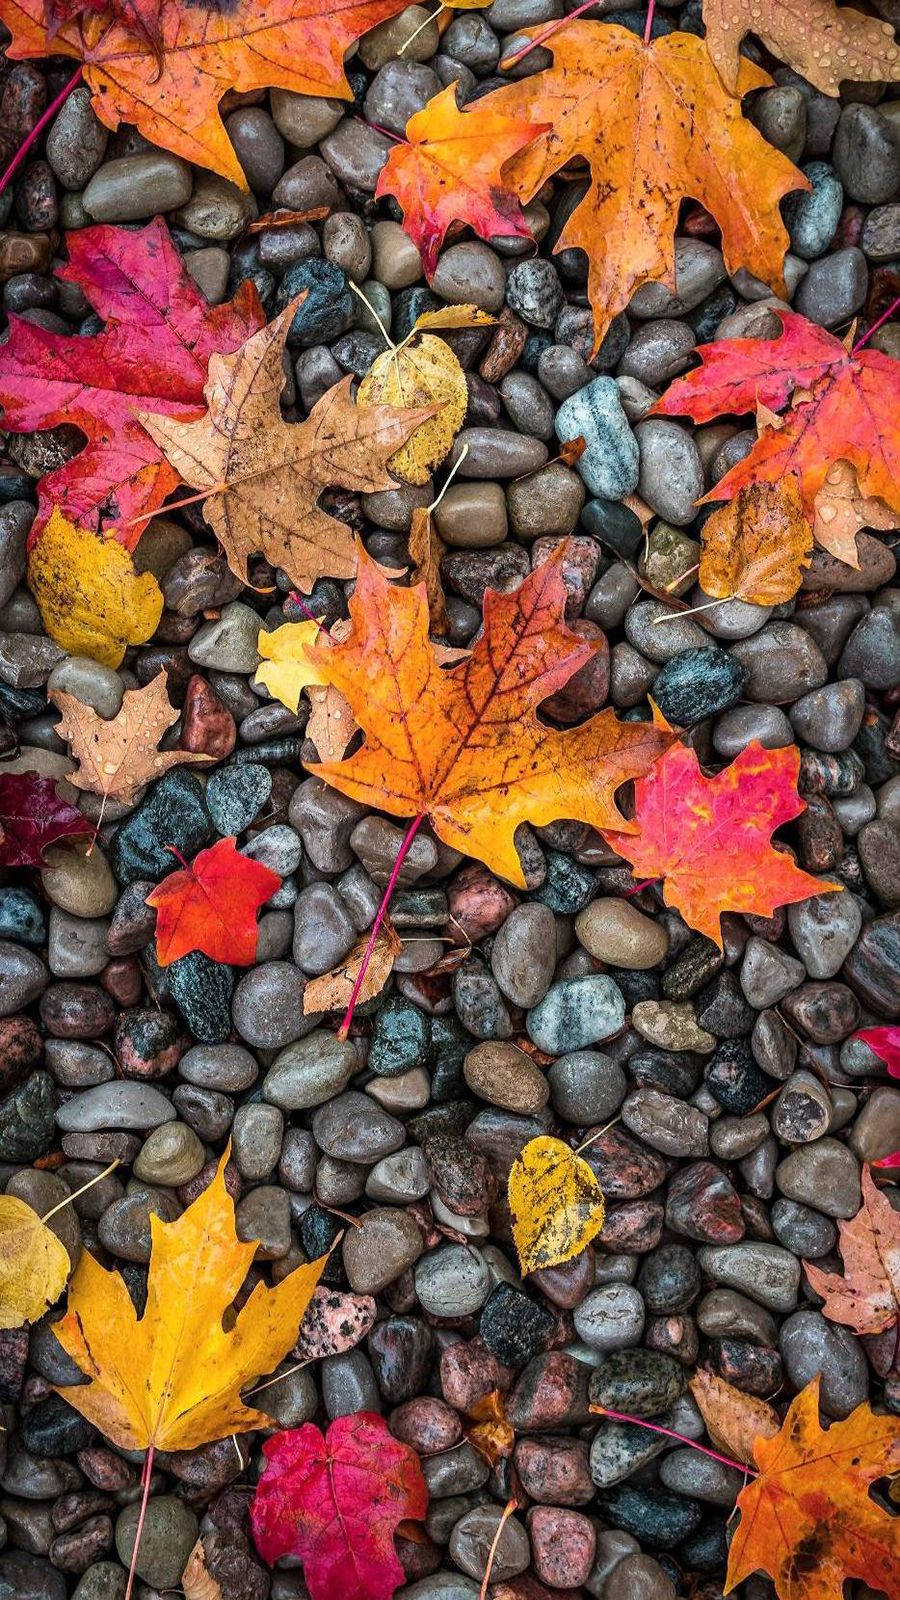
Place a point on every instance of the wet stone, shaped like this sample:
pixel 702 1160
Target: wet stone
pixel 513 1326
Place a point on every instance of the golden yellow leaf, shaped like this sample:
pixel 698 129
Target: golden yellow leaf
pixel 332 991
pixel 556 1203
pixel 286 669
pixel 422 372
pixel 448 317
pixel 34 1264
pixel 733 1419
pixel 91 600
pixel 332 724
pixel 756 546
pixel 172 1377
pixel 842 511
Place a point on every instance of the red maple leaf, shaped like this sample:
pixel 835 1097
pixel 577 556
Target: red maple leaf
pixel 33 816
pixel 211 905
pixel 884 1043
pixel 151 356
pixel 335 1502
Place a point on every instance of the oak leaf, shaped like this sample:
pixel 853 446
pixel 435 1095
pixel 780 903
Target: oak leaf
pixel 756 546
pixel 263 477
pixel 885 1042
pixel 334 989
pixel 170 88
pixel 808 1519
pixel 172 1377
pixel 867 1297
pixel 447 171
pixel 335 1502
pixel 825 45
pixel 34 1264
pixel 32 816
pixel 211 905
pixel 556 1203
pixel 655 124
pixel 152 355
pixel 709 837
pixel 463 745
pixel 116 757
pixel 845 408
pixel 841 511
pixel 733 1419
pixel 92 601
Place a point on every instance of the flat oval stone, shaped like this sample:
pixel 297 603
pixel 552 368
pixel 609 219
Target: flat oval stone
pixel 122 1103
pixel 576 1013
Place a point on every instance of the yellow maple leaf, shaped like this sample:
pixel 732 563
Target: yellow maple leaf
pixel 286 669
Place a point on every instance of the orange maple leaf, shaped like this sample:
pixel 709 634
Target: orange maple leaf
pixel 808 1520
pixel 867 1297
pixel 447 172
pixel 170 91
pixel 211 905
pixel 464 745
pixel 655 124
pixel 709 837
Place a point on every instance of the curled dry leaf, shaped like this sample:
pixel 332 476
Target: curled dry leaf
pixel 824 44
pixel 34 1264
pixel 332 991
pixel 734 1420
pixel 263 477
pixel 556 1202
pixel 197 1581
pixel 117 757
pixel 492 1436
pixel 425 551
pixel 91 599
pixel 867 1297
pixel 756 546
pixel 211 905
pixel 841 511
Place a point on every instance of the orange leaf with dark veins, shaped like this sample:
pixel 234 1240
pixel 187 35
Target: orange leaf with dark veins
pixel 846 408
pixel 463 745
pixel 867 1297
pixel 448 170
pixel 211 905
pixel 709 838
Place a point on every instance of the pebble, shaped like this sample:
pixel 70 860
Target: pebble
pixel 452 1281
pixel 609 463
pixel 506 1076
pixel 576 1013
pixel 351 1127
pixel 765 1272
pixel 614 931
pixel 671 473
pixel 813 1347
pixel 167 1538
pixel 610 1318
pixel 825 1175
pixel 118 1104
pixel 523 956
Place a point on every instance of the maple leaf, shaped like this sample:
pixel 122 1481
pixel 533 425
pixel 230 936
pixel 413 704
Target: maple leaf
pixel 733 1419
pixel 709 837
pixel 263 477
pixel 211 905
pixel 285 669
pixel 34 1264
pixel 171 92
pixel 756 546
pixel 463 745
pixel 91 600
pixel 335 1502
pixel 447 171
pixel 141 16
pixel 116 757
pixel 32 817
pixel 808 1520
pixel 850 413
pixel 172 1377
pixel 867 1297
pixel 655 124
pixel 556 1203
pixel 841 512
pixel 885 1042
pixel 826 46
pixel 151 356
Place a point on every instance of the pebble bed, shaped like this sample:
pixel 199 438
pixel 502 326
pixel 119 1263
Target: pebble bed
pixel 745 1108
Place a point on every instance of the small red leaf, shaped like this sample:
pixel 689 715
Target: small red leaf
pixel 211 906
pixel 336 1503
pixel 33 816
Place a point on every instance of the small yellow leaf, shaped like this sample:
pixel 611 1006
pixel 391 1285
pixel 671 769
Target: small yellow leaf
pixel 756 546
pixel 286 668
pixel 34 1264
pixel 556 1203
pixel 427 369
pixel 91 600
pixel 455 316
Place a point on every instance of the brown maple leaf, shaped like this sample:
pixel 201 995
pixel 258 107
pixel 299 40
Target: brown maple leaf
pixel 263 477
pixel 118 757
pixel 842 511
pixel 825 45
pixel 425 551
pixel 867 1297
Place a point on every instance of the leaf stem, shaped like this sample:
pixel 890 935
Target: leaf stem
pixel 648 25
pixel 645 883
pixel 39 127
pixel 547 33
pixel 146 1475
pixel 421 28
pixel 380 915
pixel 670 1433
pixel 597 1134
pixel 691 610
pixel 83 1190
pixel 508 1509
pixel 875 325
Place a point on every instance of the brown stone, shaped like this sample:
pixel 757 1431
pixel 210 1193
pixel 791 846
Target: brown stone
pixel 635 1227
pixel 427 1425
pixel 555 1471
pixel 469 1372
pixel 23 252
pixel 207 727
pixel 479 904
pixel 563 1544
pixel 551 1393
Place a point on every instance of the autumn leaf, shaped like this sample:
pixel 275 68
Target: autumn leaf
pixel 808 1519
pixel 885 1042
pixel 332 724
pixel 447 171
pixel 425 551
pixel 171 93
pixel 152 355
pixel 867 1297
pixel 211 905
pixel 263 477
pixel 463 745
pixel 285 669
pixel 91 600
pixel 333 990
pixel 841 512
pixel 34 1264
pixel 825 45
pixel 335 1502
pixel 733 1419
pixel 556 1203
pixel 655 125
pixel 492 1436
pixel 846 408
pixel 709 837
pixel 32 816
pixel 116 757
pixel 172 1377
pixel 197 1581
pixel 756 546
